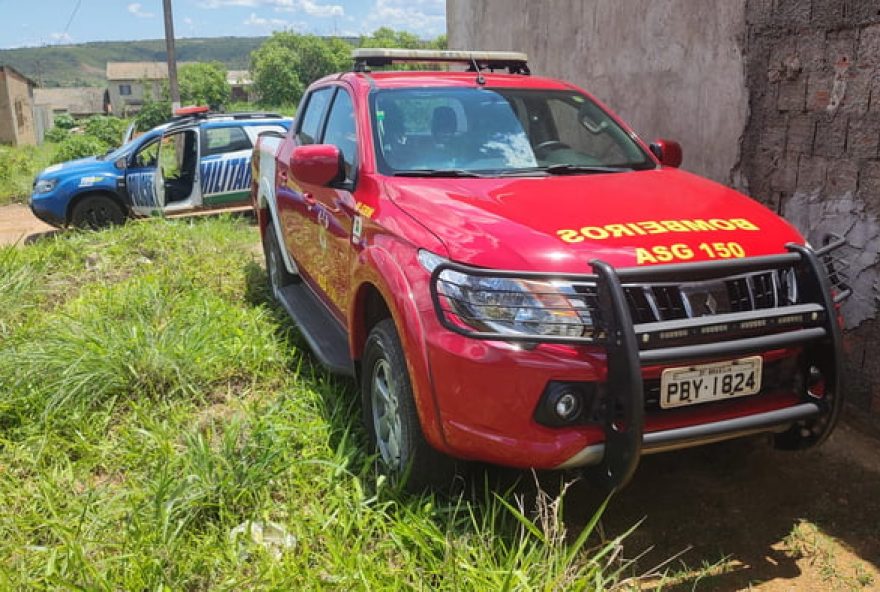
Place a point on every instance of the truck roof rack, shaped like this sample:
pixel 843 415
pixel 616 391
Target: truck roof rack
pixel 514 62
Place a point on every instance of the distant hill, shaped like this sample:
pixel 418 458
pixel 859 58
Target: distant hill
pixel 85 64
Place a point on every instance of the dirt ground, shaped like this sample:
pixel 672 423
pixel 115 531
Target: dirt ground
pixel 19 225
pixel 746 517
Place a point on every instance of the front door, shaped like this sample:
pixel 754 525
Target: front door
pixel 145 194
pixel 335 206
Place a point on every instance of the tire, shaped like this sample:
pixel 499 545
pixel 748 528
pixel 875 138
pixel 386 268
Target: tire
pixel 391 419
pixel 276 272
pixel 94 212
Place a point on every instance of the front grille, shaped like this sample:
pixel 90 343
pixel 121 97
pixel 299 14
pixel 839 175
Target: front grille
pixel 754 291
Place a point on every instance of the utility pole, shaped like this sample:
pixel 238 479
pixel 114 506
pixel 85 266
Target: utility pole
pixel 172 61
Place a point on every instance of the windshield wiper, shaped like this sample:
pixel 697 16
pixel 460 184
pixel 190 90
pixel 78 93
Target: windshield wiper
pixel 437 173
pixel 577 169
pixel 564 169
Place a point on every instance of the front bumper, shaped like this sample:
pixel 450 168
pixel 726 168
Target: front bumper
pixel 499 427
pixel 47 211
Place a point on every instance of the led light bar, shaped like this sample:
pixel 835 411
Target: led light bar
pixel 515 62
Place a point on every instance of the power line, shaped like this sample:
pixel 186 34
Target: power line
pixel 72 15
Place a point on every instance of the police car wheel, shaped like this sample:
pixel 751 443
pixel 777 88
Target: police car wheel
pixel 94 212
pixel 391 418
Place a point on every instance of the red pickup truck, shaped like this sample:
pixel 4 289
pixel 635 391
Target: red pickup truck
pixel 513 276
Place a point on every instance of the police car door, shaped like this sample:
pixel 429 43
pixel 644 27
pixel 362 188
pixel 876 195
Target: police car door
pixel 144 193
pixel 225 168
pixel 177 173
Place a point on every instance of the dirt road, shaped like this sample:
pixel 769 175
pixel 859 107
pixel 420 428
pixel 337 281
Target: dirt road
pixel 748 517
pixel 18 225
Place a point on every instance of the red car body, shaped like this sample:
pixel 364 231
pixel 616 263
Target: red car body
pixel 357 250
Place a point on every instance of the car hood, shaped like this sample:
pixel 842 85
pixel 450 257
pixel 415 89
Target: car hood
pixel 80 166
pixel 560 223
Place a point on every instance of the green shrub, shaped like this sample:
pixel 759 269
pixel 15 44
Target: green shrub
pixel 107 129
pixel 57 134
pixel 79 146
pixel 18 167
pixel 65 121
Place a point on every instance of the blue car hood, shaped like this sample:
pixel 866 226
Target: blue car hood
pixel 79 167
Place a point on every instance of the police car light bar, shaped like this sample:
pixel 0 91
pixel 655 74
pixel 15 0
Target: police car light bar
pixel 515 62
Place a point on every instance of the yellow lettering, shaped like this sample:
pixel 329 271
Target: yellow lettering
pixel 618 230
pixel 719 224
pixel 662 254
pixel 674 226
pixel 570 236
pixel 682 252
pixel 635 228
pixel 644 256
pixel 594 232
pixel 697 225
pixel 652 227
pixel 743 224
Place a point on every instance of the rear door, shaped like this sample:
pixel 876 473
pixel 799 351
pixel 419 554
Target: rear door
pixel 225 167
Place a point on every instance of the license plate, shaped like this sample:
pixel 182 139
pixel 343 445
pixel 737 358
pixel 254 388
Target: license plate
pixel 710 382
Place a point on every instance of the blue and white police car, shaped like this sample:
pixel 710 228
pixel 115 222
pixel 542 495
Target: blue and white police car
pixel 198 161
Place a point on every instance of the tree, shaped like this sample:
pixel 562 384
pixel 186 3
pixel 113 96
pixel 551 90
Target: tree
pixel 204 84
pixel 275 70
pixel 288 62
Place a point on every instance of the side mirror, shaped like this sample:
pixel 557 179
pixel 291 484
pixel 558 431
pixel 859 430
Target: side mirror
pixel 667 152
pixel 121 163
pixel 316 164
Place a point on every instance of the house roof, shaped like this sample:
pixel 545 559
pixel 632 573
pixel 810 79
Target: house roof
pixel 80 100
pixel 137 70
pixel 239 77
pixel 11 70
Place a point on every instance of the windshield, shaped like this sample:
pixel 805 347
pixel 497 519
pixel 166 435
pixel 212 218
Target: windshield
pixel 476 131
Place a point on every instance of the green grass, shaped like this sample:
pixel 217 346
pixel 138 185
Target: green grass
pixel 18 167
pixel 153 400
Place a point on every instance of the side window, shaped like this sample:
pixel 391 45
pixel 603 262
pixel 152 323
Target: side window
pixel 220 140
pixel 313 115
pixel 342 132
pixel 147 156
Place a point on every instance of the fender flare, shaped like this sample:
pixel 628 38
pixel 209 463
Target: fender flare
pixel 380 269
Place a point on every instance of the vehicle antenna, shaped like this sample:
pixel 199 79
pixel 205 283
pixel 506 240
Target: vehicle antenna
pixel 476 67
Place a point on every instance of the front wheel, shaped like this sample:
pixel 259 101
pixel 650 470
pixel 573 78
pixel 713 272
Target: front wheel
pixel 391 418
pixel 95 212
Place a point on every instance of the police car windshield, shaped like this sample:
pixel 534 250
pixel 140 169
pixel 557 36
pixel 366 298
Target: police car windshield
pixel 498 131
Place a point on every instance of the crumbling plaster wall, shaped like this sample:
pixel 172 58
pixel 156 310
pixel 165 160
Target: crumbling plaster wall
pixel 647 60
pixel 812 146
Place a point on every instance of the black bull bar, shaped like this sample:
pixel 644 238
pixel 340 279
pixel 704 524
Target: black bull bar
pixel 629 346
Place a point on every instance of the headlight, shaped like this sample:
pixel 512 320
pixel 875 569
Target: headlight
pixel 511 306
pixel 45 185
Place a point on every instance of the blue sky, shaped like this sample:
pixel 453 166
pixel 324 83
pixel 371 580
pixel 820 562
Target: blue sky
pixel 50 22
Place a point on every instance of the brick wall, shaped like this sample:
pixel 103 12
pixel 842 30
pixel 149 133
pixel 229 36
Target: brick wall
pixel 811 149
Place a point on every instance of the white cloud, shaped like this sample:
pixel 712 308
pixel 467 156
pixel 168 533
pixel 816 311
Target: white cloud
pixel 265 23
pixel 309 7
pixel 60 37
pixel 137 9
pixel 423 17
